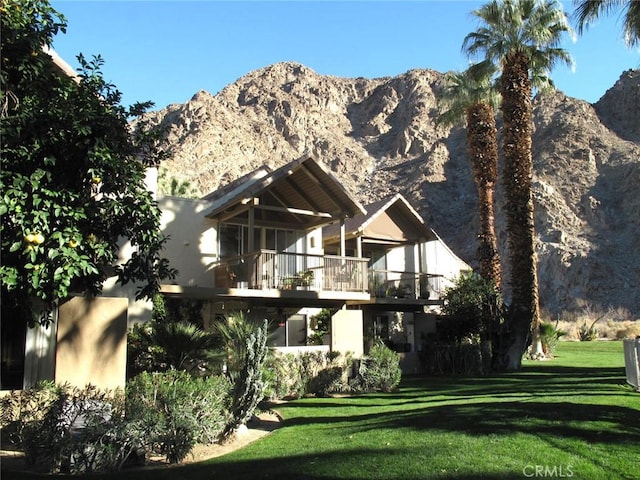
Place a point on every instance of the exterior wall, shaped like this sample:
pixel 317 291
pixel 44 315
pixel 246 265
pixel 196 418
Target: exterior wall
pixel 92 342
pixel 347 332
pixel 193 243
pixel 439 259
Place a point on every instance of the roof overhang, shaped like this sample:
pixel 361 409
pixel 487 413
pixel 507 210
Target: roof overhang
pixel 302 194
pixel 393 222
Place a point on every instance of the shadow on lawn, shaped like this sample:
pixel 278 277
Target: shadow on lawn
pixel 316 466
pixel 544 399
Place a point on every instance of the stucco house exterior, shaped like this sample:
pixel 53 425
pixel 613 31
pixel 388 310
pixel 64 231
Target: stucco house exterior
pixel 285 244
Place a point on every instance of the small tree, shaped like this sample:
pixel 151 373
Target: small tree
pixel 474 305
pixel 72 174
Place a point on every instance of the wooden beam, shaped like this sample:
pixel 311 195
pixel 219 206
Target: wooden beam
pixel 294 211
pixel 234 212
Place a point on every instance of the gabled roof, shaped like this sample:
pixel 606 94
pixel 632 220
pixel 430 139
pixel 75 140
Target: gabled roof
pixel 391 219
pixel 301 194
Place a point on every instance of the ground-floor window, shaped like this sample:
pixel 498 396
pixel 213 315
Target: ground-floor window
pixel 289 332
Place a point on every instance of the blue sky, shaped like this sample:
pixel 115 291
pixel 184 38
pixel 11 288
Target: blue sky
pixel 166 51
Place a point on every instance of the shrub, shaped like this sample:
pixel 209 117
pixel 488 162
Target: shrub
pixel 327 381
pixel 80 430
pixel 474 309
pixel 380 370
pixel 309 373
pixel 550 336
pixel 161 346
pixel 281 373
pixel 23 407
pixel 176 410
pixel 588 333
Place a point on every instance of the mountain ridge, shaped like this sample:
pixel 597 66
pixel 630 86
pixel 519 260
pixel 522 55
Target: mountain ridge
pixel 379 136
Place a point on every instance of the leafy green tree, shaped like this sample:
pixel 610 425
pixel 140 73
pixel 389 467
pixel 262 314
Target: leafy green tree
pixel 471 96
pixel 72 174
pixel 522 38
pixel 589 10
pixel 474 307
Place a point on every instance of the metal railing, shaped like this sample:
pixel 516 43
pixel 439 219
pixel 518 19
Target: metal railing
pixel 400 284
pixel 267 269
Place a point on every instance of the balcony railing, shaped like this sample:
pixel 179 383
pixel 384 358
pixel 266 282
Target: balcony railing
pixel 268 269
pixel 398 284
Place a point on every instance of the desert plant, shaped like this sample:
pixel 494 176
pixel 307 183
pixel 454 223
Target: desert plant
pixel 248 389
pixel 234 331
pixel 282 375
pixel 176 410
pixel 588 331
pixel 550 336
pixel 379 371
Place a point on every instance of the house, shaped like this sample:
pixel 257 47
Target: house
pixel 285 244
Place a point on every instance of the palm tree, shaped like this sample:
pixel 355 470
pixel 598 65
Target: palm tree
pixel 471 95
pixel 523 38
pixel 589 10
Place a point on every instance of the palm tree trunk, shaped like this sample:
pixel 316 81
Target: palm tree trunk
pixel 523 318
pixel 483 152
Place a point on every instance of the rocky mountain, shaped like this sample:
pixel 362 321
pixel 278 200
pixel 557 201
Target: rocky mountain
pixel 380 136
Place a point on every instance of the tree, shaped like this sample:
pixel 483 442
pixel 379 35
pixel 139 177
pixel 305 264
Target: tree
pixel 522 37
pixel 72 174
pixel 589 10
pixel 470 95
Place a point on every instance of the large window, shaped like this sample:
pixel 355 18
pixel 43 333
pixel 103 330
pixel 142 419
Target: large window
pixel 234 240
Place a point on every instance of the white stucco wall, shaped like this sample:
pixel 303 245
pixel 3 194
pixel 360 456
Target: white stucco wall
pixel 193 244
pixel 438 258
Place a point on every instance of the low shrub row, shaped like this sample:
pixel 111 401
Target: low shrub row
pixel 320 373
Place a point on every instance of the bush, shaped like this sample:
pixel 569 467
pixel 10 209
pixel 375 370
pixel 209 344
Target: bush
pixel 23 407
pixel 282 374
pixel 309 373
pixel 380 370
pixel 176 410
pixel 76 430
pixel 473 308
pixel 588 333
pixel 162 346
pixel 550 336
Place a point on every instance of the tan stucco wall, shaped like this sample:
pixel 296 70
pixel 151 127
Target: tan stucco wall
pixel 347 332
pixel 92 342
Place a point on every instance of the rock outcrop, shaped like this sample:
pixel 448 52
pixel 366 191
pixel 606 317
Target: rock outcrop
pixel 380 136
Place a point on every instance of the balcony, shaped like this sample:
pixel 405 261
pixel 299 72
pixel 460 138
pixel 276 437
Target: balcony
pixel 267 269
pixel 394 284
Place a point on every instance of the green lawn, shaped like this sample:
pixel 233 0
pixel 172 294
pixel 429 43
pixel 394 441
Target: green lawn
pixel 572 417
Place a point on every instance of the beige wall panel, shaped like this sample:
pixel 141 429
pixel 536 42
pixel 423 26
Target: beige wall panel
pixel 347 332
pixel 92 342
